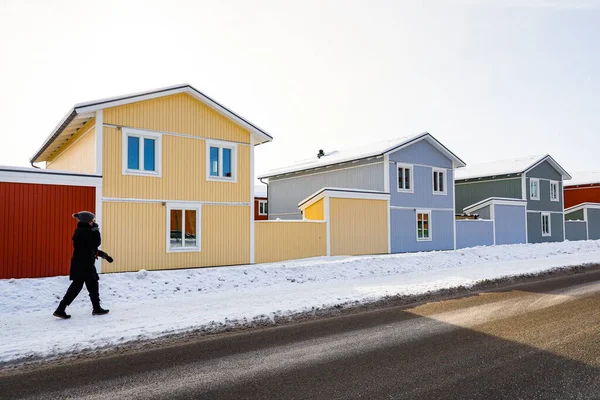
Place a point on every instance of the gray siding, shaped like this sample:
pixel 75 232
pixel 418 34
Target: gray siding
pixel 510 224
pixel 545 172
pixel 593 223
pixel 574 216
pixel 422 195
pixel 421 153
pixel 534 228
pixel 472 233
pixel 544 203
pixel 576 230
pixel 285 193
pixel 470 193
pixel 404 231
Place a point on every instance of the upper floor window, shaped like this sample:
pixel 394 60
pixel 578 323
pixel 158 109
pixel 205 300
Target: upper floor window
pixel 534 189
pixel 423 225
pixel 439 181
pixel 262 207
pixel 221 161
pixel 554 196
pixel 141 152
pixel 546 228
pixel 405 178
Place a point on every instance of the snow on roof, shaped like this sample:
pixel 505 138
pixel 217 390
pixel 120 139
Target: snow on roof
pixel 260 191
pixel 356 153
pixel 501 167
pixel 584 178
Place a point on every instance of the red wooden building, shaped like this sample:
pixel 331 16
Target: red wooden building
pixel 583 188
pixel 36 222
pixel 261 207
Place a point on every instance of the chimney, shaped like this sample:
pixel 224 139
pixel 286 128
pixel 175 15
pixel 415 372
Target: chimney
pixel 320 154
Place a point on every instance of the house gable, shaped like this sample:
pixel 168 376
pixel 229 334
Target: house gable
pixel 179 113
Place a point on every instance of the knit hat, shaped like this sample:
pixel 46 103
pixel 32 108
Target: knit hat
pixel 84 216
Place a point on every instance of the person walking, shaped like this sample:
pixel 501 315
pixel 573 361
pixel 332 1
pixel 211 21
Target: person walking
pixel 86 240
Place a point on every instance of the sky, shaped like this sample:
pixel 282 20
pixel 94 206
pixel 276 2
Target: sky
pixel 489 79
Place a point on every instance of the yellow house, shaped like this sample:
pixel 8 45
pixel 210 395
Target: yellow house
pixel 177 176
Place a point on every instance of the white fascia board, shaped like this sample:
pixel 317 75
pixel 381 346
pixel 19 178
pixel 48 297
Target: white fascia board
pixel 456 162
pixel 46 178
pixel 582 206
pixel 123 100
pixel 342 193
pixel 495 201
pixel 565 175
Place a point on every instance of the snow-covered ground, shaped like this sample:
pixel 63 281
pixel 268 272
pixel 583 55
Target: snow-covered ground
pixel 148 305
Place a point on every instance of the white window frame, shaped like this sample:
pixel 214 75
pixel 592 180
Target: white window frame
pixel 411 181
pixel 142 134
pixel 185 207
pixel 555 183
pixel 222 145
pixel 537 181
pixel 429 238
pixel 261 209
pixel 445 181
pixel 546 214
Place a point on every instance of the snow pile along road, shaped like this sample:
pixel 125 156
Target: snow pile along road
pixel 147 305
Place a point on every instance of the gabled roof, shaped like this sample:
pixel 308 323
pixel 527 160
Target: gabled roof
pixel 494 200
pixel 81 113
pixel 584 178
pixel 508 167
pixel 372 150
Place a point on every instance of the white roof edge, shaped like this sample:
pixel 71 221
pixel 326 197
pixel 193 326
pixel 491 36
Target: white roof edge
pixel 547 157
pixel 484 203
pixel 31 170
pixel 456 162
pixel 100 104
pixel 436 143
pixel 581 206
pixel 323 191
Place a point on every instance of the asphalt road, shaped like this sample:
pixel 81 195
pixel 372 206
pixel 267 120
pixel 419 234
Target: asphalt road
pixel 530 341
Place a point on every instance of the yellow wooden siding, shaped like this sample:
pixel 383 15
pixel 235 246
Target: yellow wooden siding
pixel 281 240
pixel 78 154
pixel 135 235
pixel 183 173
pixel 178 113
pixel 358 226
pixel 316 211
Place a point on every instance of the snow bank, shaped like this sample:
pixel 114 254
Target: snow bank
pixel 150 304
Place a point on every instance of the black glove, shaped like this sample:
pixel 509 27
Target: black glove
pixel 102 254
pixel 95 227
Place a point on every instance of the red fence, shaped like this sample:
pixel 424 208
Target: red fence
pixel 36 227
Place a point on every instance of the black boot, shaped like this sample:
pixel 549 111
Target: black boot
pixel 60 312
pixel 99 311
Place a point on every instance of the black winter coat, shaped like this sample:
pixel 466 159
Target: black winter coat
pixel 85 247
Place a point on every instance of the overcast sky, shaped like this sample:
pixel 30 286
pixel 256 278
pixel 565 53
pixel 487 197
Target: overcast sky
pixel 490 80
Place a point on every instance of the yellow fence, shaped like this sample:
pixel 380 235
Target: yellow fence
pixel 289 240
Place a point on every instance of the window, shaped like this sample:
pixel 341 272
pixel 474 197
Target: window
pixel 546 228
pixel 221 161
pixel 554 196
pixel 423 225
pixel 141 152
pixel 534 189
pixel 405 178
pixel 262 207
pixel 183 227
pixel 439 181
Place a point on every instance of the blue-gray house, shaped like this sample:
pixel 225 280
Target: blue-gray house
pixel 536 180
pixel 417 172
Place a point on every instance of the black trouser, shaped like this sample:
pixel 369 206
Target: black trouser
pixel 91 283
